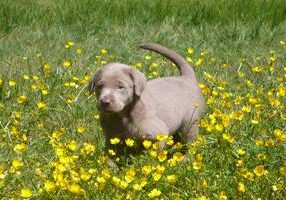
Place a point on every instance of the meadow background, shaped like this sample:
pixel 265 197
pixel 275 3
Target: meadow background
pixel 51 144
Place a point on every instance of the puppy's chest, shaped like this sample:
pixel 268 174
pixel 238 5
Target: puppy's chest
pixel 123 127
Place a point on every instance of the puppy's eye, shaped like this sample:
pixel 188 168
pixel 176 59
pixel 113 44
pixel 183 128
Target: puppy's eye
pixel 120 87
pixel 99 86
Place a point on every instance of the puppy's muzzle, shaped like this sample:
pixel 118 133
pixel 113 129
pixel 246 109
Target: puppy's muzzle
pixel 104 102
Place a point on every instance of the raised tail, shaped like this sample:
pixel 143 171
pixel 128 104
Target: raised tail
pixel 183 66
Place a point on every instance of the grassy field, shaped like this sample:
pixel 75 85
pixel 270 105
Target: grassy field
pixel 51 143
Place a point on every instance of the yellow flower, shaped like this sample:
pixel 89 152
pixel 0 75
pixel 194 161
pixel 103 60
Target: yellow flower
pixel 153 153
pixel 71 43
pixel 260 171
pixel 249 175
pixel 278 133
pixel 47 67
pixel 241 152
pixel 2 106
pixel 191 50
pixel 76 189
pixel 49 186
pixel 162 156
pixel 170 141
pixel 44 92
pixel 178 156
pixel 199 62
pixel 255 121
pixel 283 170
pixel 1 82
pixel 147 144
pixel 20 147
pixel 199 157
pixel 36 78
pixel 129 142
pixel 282 42
pixel 130 175
pixel 219 127
pixel 79 50
pixel 161 137
pixel 172 178
pixel 67 63
pixel 104 51
pixel 42 105
pixel 81 130
pixel 87 148
pixel 2 170
pixel 146 169
pixel 204 53
pixel 138 65
pixel 72 145
pixel 153 66
pixel 105 173
pixel 228 137
pixel 33 87
pixel 137 187
pixel 172 162
pixel 148 57
pixel 241 187
pixel 189 59
pixel 123 184
pixel 222 196
pixel 246 109
pixel 116 180
pixel 259 142
pixel 203 197
pixel 156 145
pixel 197 165
pixel 101 179
pixel 18 114
pixel 261 156
pixel 157 176
pixel 203 183
pixel 21 99
pixel 12 83
pixel 114 141
pixel 281 91
pixel 26 193
pixel 41 125
pixel 154 193
pixel 85 176
pixel 16 165
pixel 111 152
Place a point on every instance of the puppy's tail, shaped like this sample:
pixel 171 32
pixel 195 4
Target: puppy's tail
pixel 183 66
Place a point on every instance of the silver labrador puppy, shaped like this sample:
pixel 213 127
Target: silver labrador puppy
pixel 132 107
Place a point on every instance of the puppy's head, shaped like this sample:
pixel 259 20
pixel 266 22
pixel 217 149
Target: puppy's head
pixel 116 86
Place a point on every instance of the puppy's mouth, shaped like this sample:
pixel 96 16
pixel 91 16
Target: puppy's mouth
pixel 107 110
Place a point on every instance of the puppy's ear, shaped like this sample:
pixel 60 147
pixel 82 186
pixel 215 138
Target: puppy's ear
pixel 139 81
pixel 92 84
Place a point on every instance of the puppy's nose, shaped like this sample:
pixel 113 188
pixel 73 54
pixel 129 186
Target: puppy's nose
pixel 104 102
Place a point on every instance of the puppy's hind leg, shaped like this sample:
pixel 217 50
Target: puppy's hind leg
pixel 188 135
pixel 189 132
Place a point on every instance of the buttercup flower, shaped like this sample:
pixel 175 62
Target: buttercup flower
pixel 114 141
pixel 26 193
pixel 241 187
pixel 129 142
pixel 260 171
pixel 154 193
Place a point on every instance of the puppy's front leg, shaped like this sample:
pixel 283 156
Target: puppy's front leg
pixel 112 150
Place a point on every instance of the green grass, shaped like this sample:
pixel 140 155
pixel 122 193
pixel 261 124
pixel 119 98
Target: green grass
pixel 239 57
